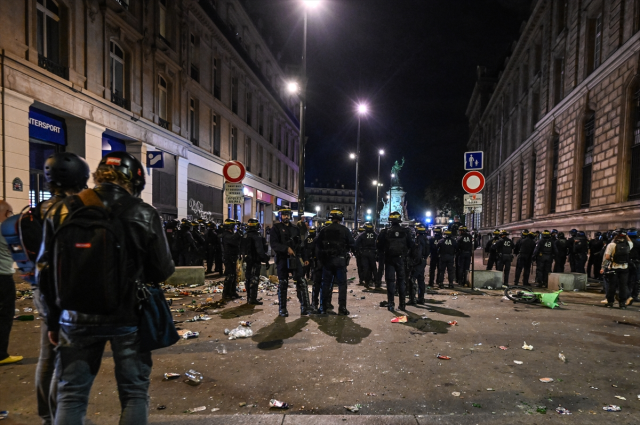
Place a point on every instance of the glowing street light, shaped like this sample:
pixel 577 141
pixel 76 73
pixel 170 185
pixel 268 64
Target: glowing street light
pixel 428 214
pixel 293 87
pixel 311 4
pixel 363 108
pixel 369 211
pixel 352 155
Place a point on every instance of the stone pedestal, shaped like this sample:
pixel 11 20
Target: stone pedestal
pixel 488 279
pixel 187 275
pixel 396 197
pixel 567 281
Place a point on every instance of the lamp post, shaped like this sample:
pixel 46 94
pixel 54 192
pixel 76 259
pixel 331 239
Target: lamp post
pixel 377 183
pixel 362 110
pixel 390 192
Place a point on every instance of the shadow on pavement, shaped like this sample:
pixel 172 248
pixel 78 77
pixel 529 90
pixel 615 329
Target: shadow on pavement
pixel 272 337
pixel 342 328
pixel 442 310
pixel 239 311
pixel 425 325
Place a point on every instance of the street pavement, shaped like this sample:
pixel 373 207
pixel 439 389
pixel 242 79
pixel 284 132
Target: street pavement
pixel 320 364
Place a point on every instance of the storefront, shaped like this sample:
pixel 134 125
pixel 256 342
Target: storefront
pixel 47 135
pixel 112 143
pixel 164 193
pixel 264 208
pixel 204 199
pixel 249 195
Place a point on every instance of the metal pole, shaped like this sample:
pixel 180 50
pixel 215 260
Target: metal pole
pixel 303 107
pixel 357 161
pixel 473 246
pixel 377 189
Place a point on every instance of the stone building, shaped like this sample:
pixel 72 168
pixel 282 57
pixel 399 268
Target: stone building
pixel 322 197
pixel 192 79
pixel 560 122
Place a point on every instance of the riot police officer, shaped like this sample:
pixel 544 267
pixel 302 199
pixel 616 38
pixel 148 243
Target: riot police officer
pixel 366 248
pixel 212 243
pixel 562 250
pixel 524 250
pixel 314 265
pixel 186 244
pixel 544 251
pixel 332 246
pixel 419 257
pixel 572 237
pixel 492 253
pixel 287 243
pixel 380 259
pixel 358 255
pixel 455 227
pixel 596 248
pixel 434 257
pixel 231 250
pixel 447 247
pixel 463 254
pixel 395 243
pixel 171 232
pixel 504 251
pixel 580 249
pixel 254 255
pixel 634 267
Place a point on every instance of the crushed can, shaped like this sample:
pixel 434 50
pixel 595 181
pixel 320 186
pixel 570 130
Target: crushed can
pixel 278 404
pixel 170 375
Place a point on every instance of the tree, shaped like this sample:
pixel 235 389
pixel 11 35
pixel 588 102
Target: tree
pixel 446 197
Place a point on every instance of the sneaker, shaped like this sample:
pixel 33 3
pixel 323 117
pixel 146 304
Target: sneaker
pixel 11 359
pixel 604 301
pixel 629 301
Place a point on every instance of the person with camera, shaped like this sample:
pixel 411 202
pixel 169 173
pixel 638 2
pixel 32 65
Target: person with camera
pixel 98 246
pixel 616 267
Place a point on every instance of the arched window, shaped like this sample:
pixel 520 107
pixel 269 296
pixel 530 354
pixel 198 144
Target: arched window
pixel 116 65
pixel 587 160
pixel 162 100
pixel 634 186
pixel 554 175
pixel 48 37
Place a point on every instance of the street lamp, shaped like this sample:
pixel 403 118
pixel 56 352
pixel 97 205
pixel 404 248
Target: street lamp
pixel 380 153
pixel 362 110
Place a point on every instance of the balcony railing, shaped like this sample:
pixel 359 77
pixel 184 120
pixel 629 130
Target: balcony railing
pixel 163 123
pixel 118 99
pixel 51 66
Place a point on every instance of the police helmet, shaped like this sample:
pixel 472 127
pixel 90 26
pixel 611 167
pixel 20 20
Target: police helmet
pixel 285 211
pixel 525 232
pixel 504 233
pixel 632 232
pixel 361 229
pixel 66 170
pixel 253 224
pixel 128 166
pixel 336 214
pixel 546 234
pixel 620 231
pixel 447 232
pixel 554 231
pixel 395 217
pixel 597 234
pixel 172 224
pixel 463 229
pixel 313 231
pixel 573 232
pixel 211 225
pixel 438 230
pixel 368 226
pixel 581 233
pixel 229 223
pixel 496 232
pixel 421 229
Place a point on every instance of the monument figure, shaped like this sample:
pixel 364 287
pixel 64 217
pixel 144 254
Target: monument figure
pixel 395 173
pixel 395 196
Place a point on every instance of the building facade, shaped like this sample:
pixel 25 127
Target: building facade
pixel 323 197
pixel 192 79
pixel 560 123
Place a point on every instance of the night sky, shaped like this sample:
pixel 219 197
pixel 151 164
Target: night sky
pixel 412 61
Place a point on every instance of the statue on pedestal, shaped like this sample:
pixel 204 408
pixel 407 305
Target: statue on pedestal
pixel 395 174
pixel 395 195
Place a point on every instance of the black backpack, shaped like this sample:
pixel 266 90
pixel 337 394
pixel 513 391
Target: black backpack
pixel 90 255
pixel 23 233
pixel 396 243
pixel 621 254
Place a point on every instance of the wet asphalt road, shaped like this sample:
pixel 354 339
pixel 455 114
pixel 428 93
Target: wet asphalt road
pixel 320 364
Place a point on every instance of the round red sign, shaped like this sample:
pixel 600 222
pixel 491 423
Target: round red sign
pixel 234 171
pixel 473 182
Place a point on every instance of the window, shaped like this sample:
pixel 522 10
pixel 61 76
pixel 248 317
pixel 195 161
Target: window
pixel 634 187
pixel 532 186
pixel 554 176
pixel 279 137
pixel 193 57
pixel 594 43
pixel 270 128
pixel 260 160
pixel 286 145
pixel 587 161
pixel 535 110
pixel 116 55
pixel 558 80
pixel 215 134
pixel 48 37
pixel 562 7
pixel 162 19
pixel 260 119
pixel 217 78
pixel 537 53
pixel 234 95
pixel 525 77
pixel 233 140
pixel 521 192
pixel 249 107
pixel 278 172
pixel 247 153
pixel 162 102
pixel 270 166
pixel 193 121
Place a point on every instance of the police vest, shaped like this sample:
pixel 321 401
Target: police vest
pixel 547 247
pixel 580 245
pixel 561 245
pixel 445 247
pixel 333 243
pixel 396 242
pixel 507 247
pixel 465 244
pixel 369 240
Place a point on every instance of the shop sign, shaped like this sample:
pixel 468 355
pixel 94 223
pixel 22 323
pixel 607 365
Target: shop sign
pixel 263 197
pixel 46 127
pixel 247 192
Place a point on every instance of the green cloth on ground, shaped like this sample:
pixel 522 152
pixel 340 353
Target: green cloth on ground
pixel 550 300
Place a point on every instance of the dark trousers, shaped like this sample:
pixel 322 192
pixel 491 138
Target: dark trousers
pixel 317 284
pixel 46 386
pixel 523 264
pixel 580 260
pixel 504 265
pixel 368 264
pixel 210 258
pixel 446 263
pixel 394 274
pixel 544 266
pixel 334 276
pixel 492 261
pixel 434 269
pixel 380 271
pixel 572 262
pixel 230 276
pixel 296 272
pixel 595 262
pixel 618 281
pixel 464 263
pixel 7 311
pixel 252 279
pixel 359 267
pixel 418 274
pixel 218 260
pixel 634 278
pixel 558 265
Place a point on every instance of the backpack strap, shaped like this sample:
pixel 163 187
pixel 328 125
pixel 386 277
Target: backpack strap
pixel 89 197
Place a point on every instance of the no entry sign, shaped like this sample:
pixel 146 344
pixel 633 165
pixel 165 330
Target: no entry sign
pixel 473 182
pixel 234 171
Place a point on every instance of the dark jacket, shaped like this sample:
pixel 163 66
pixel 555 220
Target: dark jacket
pixel 366 241
pixel 545 247
pixel 148 260
pixel 230 244
pixel 383 239
pixel 255 247
pixel 283 237
pixel 335 235
pixel 525 247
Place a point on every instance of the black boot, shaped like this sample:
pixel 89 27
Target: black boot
pixel 412 293
pixel 282 298
pixel 253 296
pixel 342 310
pixel 303 296
pixel 378 284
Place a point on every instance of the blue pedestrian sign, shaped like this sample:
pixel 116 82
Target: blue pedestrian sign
pixel 155 159
pixel 473 160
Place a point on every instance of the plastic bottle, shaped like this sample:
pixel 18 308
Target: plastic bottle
pixel 193 376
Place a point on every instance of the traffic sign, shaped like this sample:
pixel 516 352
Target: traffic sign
pixel 234 171
pixel 155 159
pixel 471 200
pixel 473 182
pixel 471 210
pixel 473 160
pixel 233 193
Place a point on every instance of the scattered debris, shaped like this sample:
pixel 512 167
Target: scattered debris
pixel 193 376
pixel 245 323
pixel 399 319
pixel 620 397
pixel 594 388
pixel 562 357
pixel 546 380
pixel 371 394
pixel 239 332
pixel 355 408
pixel 215 409
pixel 161 407
pixel 490 389
pixel 502 347
pixel 517 362
pixel 242 404
pixel 455 394
pixel 221 349
pixel 278 404
pixel 170 375
pixel 478 405
pixel 612 408
pixel 563 411
pixel 542 410
pixel 527 347
pixel 342 381
pixel 440 356
pixel 453 323
pixel 535 323
pixel 199 318
pixel 190 334
pixel 197 409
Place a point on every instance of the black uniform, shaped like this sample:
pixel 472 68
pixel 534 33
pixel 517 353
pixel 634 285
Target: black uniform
pixel 332 246
pixel 366 248
pixel 434 258
pixel 231 248
pixel 446 250
pixel 572 257
pixel 283 237
pixel 395 243
pixel 596 252
pixel 254 255
pixel 543 253
pixel 213 244
pixel 314 269
pixel 463 254
pixel 186 245
pixel 618 278
pixel 492 253
pixel 380 260
pixel 562 249
pixel 524 250
pixel 580 249
pixel 419 258
pixel 504 250
pixel 634 268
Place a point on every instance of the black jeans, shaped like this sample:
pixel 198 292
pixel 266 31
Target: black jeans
pixel 7 310
pixel 394 269
pixel 368 264
pixel 523 263
pixel 618 281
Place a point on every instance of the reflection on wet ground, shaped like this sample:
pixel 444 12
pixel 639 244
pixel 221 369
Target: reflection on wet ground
pixel 272 337
pixel 424 325
pixel 239 311
pixel 342 328
pixel 445 311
